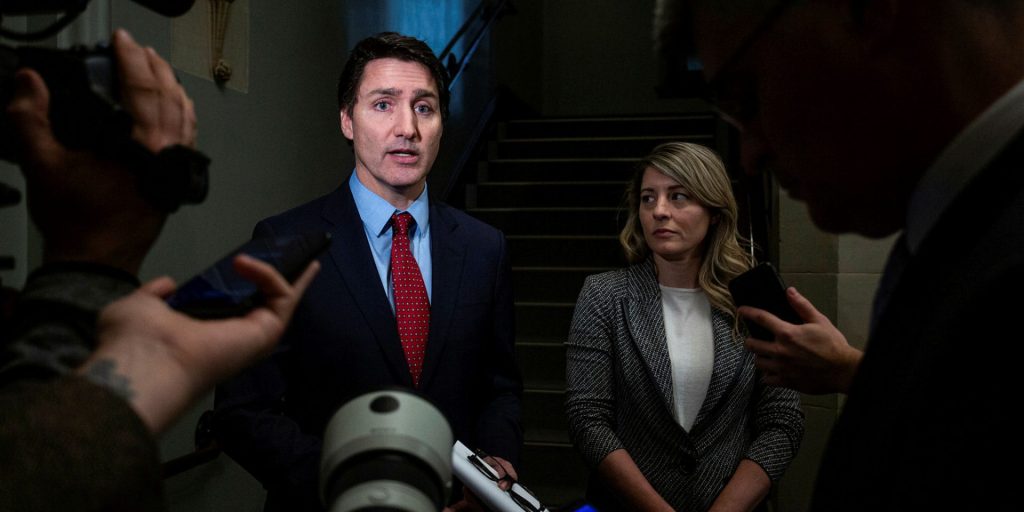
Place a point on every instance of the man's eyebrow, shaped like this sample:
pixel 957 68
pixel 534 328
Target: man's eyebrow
pixel 393 91
pixel 388 91
pixel 425 93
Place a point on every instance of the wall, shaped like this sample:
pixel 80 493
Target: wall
pixel 582 58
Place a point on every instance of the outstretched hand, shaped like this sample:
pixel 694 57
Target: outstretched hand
pixel 161 360
pixel 812 358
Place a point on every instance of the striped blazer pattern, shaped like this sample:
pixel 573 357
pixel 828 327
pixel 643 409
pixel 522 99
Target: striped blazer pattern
pixel 619 395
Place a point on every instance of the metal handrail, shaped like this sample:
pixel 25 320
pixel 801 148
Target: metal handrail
pixel 488 11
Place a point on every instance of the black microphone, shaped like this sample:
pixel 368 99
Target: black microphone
pixel 169 8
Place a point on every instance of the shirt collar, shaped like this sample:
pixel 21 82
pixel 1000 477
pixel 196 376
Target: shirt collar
pixel 376 211
pixel 970 152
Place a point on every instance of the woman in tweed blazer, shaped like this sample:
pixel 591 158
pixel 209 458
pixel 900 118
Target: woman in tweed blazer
pixel 679 420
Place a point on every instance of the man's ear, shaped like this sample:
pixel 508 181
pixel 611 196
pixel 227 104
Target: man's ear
pixel 346 123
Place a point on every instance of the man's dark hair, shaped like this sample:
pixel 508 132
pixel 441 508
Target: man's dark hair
pixel 394 46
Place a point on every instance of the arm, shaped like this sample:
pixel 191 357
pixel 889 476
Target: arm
pixel 499 429
pixel 590 399
pixel 251 426
pixel 161 361
pixel 748 486
pixel 778 425
pixel 619 470
pixel 811 358
pixel 57 452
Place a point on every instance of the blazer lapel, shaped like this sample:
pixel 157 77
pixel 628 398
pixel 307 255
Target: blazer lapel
pixel 647 328
pixel 729 357
pixel 448 254
pixel 353 261
pixel 646 324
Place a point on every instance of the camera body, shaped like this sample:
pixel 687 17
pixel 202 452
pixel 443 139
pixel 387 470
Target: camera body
pixel 84 111
pixel 85 115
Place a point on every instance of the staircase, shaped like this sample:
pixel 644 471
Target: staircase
pixel 555 187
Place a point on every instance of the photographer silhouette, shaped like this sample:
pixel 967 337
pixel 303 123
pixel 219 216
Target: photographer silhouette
pixel 91 367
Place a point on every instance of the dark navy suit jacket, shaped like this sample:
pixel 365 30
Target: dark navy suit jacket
pixel 343 342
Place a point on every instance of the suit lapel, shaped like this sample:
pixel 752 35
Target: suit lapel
pixel 448 253
pixel 353 262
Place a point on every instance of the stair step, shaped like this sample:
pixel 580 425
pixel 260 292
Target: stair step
pixel 550 284
pixel 554 472
pixel 547 320
pixel 619 147
pixel 544 416
pixel 553 221
pixel 604 127
pixel 542 364
pixel 557 169
pixel 551 193
pixel 569 251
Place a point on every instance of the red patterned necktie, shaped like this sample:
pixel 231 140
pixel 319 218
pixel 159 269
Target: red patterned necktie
pixel 412 308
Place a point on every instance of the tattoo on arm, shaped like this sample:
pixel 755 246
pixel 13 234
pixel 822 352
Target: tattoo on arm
pixel 103 373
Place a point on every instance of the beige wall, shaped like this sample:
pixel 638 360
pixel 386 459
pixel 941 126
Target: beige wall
pixel 839 275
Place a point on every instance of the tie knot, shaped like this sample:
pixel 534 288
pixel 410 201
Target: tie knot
pixel 400 223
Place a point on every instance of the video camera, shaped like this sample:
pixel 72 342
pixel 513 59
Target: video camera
pixel 84 109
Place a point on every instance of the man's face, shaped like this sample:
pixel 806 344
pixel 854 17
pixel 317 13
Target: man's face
pixel 395 126
pixel 812 109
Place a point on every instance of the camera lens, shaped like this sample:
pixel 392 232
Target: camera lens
pixel 386 451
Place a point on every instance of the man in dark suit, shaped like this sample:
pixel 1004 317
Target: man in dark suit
pixel 364 322
pixel 888 116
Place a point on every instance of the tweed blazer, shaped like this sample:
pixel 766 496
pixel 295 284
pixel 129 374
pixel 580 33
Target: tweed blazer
pixel 619 395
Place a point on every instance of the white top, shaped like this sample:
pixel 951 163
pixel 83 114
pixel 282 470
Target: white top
pixel 691 349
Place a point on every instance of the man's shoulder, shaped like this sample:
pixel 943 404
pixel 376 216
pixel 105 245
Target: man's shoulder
pixel 447 215
pixel 299 216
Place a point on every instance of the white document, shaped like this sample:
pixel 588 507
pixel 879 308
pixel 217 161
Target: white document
pixel 483 487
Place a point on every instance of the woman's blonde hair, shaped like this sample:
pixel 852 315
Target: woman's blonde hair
pixel 701 172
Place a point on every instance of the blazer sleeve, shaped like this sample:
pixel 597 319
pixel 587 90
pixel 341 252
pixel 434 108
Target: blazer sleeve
pixel 67 443
pixel 590 381
pixel 251 426
pixel 779 428
pixel 499 427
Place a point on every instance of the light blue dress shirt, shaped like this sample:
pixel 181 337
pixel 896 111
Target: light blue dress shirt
pixel 376 215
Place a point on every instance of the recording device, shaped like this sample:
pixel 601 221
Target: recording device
pixel 763 288
pixel 388 450
pixel 219 292
pixel 84 109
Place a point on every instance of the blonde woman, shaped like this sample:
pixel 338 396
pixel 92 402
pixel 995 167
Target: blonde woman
pixel 663 401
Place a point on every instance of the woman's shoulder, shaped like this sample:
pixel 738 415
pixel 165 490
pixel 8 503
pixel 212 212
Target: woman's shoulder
pixel 615 282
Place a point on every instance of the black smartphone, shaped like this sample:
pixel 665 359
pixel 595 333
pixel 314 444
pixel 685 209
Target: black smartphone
pixel 763 288
pixel 219 291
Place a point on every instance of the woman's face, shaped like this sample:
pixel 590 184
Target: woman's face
pixel 674 224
